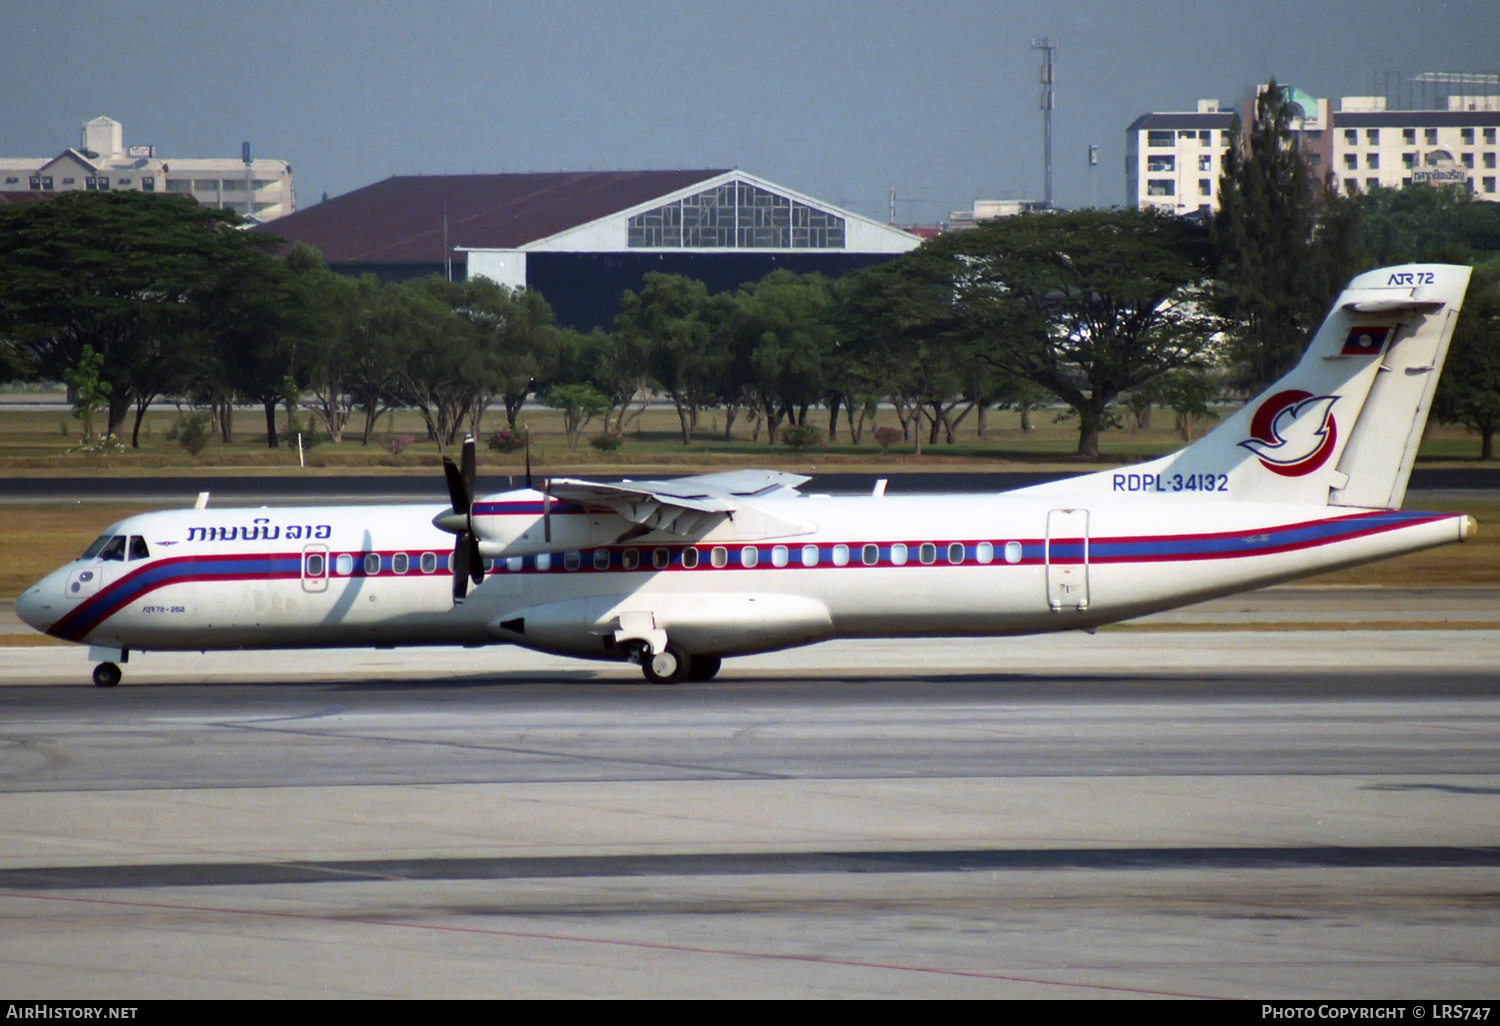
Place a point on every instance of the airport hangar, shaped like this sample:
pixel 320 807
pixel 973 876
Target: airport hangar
pixel 582 238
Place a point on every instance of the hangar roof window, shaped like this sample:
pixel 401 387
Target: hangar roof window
pixel 736 215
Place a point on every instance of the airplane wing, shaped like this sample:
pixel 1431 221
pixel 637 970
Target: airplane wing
pixel 680 506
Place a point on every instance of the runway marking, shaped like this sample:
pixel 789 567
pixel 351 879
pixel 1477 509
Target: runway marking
pixel 686 949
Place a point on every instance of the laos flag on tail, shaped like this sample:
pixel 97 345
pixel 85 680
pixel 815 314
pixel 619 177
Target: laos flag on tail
pixel 1364 341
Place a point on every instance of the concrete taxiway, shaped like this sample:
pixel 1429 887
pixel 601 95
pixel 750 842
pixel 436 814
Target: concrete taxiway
pixel 1134 813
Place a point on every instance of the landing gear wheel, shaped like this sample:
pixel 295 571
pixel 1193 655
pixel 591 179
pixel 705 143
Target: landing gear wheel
pixel 106 675
pixel 704 667
pixel 669 667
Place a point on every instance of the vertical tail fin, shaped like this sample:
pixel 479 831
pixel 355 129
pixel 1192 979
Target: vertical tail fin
pixel 1342 427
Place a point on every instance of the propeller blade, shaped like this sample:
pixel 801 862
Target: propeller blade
pixel 459 493
pixel 468 459
pixel 461 567
pixel 476 561
pixel 468 564
pixel 547 511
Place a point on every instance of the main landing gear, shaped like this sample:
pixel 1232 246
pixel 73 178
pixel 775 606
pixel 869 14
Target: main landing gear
pixel 673 665
pixel 106 675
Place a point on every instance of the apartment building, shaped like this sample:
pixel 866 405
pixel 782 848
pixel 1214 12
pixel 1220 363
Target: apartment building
pixel 1173 160
pixel 259 190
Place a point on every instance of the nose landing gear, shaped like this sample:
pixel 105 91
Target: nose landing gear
pixel 107 672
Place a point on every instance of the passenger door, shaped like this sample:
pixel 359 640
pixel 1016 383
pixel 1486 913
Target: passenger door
pixel 1068 559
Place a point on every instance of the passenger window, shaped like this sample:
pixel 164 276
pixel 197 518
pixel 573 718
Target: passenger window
pixel 1012 552
pixel 513 563
pixel 749 556
pixel 601 559
pixel 572 559
pixel 661 559
pixel 927 553
pixel 689 558
pixel 429 562
pixel 314 564
pixel 719 557
pixel 841 555
pixel 778 556
pixel 898 554
pixel 372 564
pixel 630 559
pixel 115 549
pixel 809 555
pixel 956 553
pixel 870 555
pixel 138 548
pixel 984 552
pixel 544 561
pixel 343 564
pixel 399 563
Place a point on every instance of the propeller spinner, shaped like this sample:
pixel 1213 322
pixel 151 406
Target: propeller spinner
pixel 468 564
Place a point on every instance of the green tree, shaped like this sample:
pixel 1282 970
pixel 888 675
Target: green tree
pixel 1285 244
pixel 579 404
pixel 1468 393
pixel 527 350
pixel 90 394
pixel 605 362
pixel 672 322
pixel 1420 223
pixel 262 352
pixel 900 334
pixel 336 352
pixel 1088 305
pixel 130 275
pixel 441 367
pixel 781 335
pixel 1188 395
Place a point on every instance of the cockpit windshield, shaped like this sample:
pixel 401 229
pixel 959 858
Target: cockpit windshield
pixel 98 546
pixel 111 545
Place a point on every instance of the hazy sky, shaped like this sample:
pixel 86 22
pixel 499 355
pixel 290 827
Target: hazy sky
pixel 840 100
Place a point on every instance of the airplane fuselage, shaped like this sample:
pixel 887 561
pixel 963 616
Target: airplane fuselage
pixel 855 566
pixel 676 574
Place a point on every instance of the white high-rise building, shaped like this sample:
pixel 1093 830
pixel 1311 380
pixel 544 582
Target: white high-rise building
pixel 260 190
pixel 1173 160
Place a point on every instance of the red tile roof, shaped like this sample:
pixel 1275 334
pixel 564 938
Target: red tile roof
pixel 400 219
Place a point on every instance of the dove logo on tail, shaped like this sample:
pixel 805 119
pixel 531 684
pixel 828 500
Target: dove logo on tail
pixel 1293 432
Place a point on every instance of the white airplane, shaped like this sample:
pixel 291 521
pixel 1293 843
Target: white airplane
pixel 676 575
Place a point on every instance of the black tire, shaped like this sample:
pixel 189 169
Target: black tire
pixel 106 675
pixel 705 667
pixel 672 666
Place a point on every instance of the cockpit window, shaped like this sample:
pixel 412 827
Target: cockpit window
pixel 108 546
pixel 138 549
pixel 97 546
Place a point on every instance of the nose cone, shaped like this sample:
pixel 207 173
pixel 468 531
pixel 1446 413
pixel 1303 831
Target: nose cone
pixel 40 605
